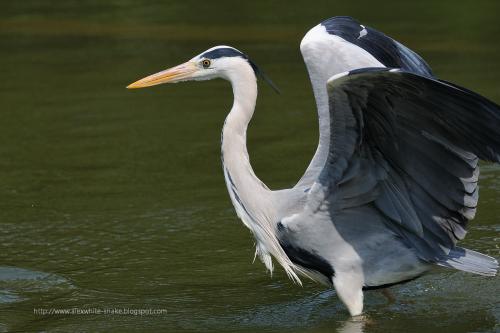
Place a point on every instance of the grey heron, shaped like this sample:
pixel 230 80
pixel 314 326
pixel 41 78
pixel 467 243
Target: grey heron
pixel 394 179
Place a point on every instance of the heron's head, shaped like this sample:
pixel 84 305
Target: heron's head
pixel 217 62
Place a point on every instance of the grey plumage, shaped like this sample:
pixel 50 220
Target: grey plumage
pixel 408 147
pixel 394 180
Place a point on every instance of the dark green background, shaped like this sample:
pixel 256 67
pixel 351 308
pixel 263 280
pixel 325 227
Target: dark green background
pixel 115 198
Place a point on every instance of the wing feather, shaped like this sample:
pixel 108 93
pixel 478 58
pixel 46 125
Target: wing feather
pixel 409 145
pixel 341 44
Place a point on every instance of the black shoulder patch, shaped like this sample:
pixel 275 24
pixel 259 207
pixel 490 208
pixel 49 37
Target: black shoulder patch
pixel 223 52
pixel 307 259
pixel 385 49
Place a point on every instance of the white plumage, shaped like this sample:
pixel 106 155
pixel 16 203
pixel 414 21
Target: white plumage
pixel 393 181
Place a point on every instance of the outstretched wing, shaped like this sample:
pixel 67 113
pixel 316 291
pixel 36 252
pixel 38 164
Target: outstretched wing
pixel 385 49
pixel 409 146
pixel 342 44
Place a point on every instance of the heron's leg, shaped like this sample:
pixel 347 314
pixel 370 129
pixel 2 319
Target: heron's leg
pixel 388 295
pixel 349 288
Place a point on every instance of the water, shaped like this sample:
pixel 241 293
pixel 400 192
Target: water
pixel 115 199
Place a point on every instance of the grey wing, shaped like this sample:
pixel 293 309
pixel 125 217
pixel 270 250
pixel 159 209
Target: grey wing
pixel 388 51
pixel 340 44
pixel 407 147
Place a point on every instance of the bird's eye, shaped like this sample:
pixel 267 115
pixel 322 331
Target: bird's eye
pixel 205 63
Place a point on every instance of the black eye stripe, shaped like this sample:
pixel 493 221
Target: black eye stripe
pixel 223 52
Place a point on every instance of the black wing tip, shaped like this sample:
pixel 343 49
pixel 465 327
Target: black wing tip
pixel 386 50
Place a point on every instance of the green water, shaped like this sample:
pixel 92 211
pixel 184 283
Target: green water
pixel 112 198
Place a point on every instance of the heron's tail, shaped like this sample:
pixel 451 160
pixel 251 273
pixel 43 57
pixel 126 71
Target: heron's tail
pixel 470 261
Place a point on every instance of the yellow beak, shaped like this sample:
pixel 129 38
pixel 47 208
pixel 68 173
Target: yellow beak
pixel 174 74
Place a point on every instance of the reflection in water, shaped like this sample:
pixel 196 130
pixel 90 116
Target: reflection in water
pixel 30 280
pixel 296 312
pixel 355 325
pixel 20 284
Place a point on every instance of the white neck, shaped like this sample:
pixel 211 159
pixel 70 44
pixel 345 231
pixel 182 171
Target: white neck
pixel 255 204
pixel 235 158
pixel 252 200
